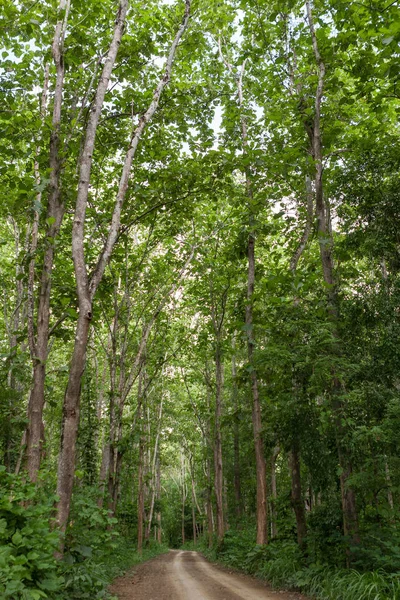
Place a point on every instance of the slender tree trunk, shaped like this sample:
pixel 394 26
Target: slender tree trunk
pixel 296 496
pixel 154 470
pixel 218 468
pixel 66 464
pixel 349 507
pixel 236 443
pixel 261 472
pixel 87 288
pixel 207 440
pixel 55 213
pixel 142 440
pixel 194 513
pixel 158 498
pixel 261 509
pixel 70 422
pixel 105 463
pixel 210 521
pixel 140 502
pixel 389 484
pixel 115 454
pixel 184 494
pixel 274 494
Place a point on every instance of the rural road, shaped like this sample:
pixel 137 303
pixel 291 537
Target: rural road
pixel 183 575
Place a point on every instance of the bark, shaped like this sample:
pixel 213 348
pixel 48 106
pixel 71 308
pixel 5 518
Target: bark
pixel 35 228
pixel 104 467
pixel 86 288
pixel 236 442
pixel 55 213
pixel 296 496
pixel 14 325
pixel 158 498
pixel 194 512
pixel 389 484
pixel 66 463
pixel 261 474
pixel 142 442
pixel 155 464
pixel 184 495
pixel 70 422
pixel 122 384
pixel 274 494
pixel 115 454
pixel 210 520
pixel 307 229
pixel 218 467
pixel 349 508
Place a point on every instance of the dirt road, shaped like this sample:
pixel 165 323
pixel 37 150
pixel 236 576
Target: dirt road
pixel 181 575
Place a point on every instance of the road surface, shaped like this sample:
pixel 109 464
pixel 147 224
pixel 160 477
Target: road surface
pixel 183 575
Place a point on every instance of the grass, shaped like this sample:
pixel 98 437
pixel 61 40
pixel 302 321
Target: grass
pixel 282 565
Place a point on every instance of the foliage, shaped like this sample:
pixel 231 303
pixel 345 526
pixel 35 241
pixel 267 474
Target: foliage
pixel 90 576
pixel 28 569
pixel 282 564
pixel 229 157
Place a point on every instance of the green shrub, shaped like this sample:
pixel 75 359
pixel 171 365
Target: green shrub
pixel 28 570
pixel 283 565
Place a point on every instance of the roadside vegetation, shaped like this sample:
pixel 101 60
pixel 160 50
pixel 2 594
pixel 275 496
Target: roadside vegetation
pixel 200 285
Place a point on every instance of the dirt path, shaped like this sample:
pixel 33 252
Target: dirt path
pixel 181 575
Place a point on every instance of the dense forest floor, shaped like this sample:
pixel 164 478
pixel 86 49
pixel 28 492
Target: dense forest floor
pixel 179 575
pixel 200 285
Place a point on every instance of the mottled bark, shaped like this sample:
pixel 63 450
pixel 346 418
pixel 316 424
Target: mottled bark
pixel 296 496
pixel 325 239
pixel 71 406
pixel 103 475
pixel 86 288
pixel 155 465
pixel 274 493
pixel 261 472
pixel 183 496
pixel 389 485
pixel 236 442
pixel 218 467
pixel 54 216
pixel 261 475
pixel 194 526
pixel 142 442
pixel 158 499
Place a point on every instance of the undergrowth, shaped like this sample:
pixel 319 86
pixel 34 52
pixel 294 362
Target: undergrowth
pixel 95 552
pixel 283 566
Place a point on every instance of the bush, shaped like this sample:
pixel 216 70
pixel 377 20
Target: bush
pixel 283 565
pixel 28 569
pixel 95 553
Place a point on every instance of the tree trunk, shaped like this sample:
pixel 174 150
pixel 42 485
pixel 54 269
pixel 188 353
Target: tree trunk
pixel 210 521
pixel 325 240
pixel 154 470
pixel 115 454
pixel 236 443
pixel 218 468
pixel 261 508
pixel 158 498
pixel 296 496
pixel 194 513
pixel 184 493
pixel 55 213
pixel 105 463
pixel 70 422
pixel 274 494
pixel 389 485
pixel 86 288
pixel 261 475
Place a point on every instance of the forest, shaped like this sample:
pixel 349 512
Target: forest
pixel 200 279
